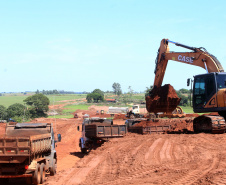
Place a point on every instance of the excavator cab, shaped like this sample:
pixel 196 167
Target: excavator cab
pixel 209 92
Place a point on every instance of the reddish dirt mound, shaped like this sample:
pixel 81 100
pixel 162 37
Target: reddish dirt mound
pixel 177 124
pixel 120 116
pixel 162 99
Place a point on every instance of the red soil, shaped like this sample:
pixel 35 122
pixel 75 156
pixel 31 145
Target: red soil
pixel 162 99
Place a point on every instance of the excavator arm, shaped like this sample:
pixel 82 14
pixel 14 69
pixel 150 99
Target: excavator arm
pixel 199 57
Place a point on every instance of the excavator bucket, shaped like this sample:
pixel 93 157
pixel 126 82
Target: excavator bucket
pixel 162 99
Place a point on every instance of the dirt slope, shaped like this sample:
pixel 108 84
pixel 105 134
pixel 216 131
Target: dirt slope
pixel 151 159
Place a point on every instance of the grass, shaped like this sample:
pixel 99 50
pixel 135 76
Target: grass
pixel 69 109
pixel 62 116
pixel 9 99
pixel 187 109
pixel 56 99
pixel 73 108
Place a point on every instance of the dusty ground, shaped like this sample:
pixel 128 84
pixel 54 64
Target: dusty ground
pixel 151 159
pixel 138 159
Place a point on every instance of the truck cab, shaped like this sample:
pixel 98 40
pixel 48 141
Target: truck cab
pixel 136 109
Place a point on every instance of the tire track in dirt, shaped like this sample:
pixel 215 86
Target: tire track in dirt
pixel 164 152
pixel 152 159
pixel 220 180
pixel 155 158
pixel 152 148
pixel 108 164
pixel 142 170
pixel 84 171
pixel 199 172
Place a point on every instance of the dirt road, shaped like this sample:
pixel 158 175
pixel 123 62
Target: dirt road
pixel 151 159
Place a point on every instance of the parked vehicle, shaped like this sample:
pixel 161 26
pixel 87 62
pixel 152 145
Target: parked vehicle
pixel 133 112
pixel 95 131
pixel 75 115
pixel 28 150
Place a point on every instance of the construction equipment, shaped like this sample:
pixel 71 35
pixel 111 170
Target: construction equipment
pixel 209 90
pixel 132 127
pixel 28 150
pixel 95 131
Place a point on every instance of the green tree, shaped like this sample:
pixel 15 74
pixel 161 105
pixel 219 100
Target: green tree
pixel 17 112
pixel 98 91
pixel 117 88
pixel 96 96
pixel 37 92
pixel 184 99
pixel 89 98
pixel 148 89
pixel 3 112
pixel 184 91
pixel 130 92
pixel 38 105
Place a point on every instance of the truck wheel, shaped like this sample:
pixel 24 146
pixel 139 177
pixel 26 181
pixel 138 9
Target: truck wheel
pixel 53 169
pixel 37 175
pixel 132 116
pixel 83 150
pixel 42 172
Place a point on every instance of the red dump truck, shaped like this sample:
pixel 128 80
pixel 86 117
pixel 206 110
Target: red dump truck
pixel 28 150
pixel 96 131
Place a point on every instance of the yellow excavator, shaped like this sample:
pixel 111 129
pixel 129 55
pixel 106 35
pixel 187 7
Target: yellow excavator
pixel 209 89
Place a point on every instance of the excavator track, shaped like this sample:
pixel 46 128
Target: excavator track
pixel 209 124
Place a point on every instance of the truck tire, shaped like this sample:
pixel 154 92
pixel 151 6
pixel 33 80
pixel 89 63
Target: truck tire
pixel 53 169
pixel 132 116
pixel 83 150
pixel 42 172
pixel 37 175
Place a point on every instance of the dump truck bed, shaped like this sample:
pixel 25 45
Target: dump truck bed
pixel 22 147
pixel 148 129
pixel 23 140
pixel 104 131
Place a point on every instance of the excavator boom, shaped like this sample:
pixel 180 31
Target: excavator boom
pixel 199 57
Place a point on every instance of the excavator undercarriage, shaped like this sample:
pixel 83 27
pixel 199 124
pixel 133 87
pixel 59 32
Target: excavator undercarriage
pixel 210 124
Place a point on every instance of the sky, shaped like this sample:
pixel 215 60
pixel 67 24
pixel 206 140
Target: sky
pixel 76 45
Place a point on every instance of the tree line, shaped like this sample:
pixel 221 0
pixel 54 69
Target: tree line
pixel 35 106
pixel 48 92
pixel 98 96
